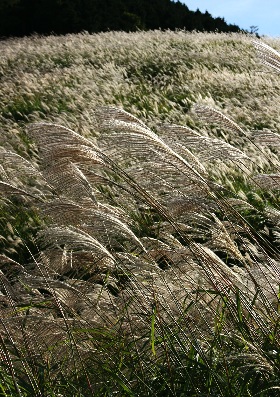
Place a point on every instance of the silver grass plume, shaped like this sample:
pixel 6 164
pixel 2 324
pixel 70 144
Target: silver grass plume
pixel 268 55
pixel 100 221
pixel 267 181
pixel 206 148
pixel 8 189
pixel 16 164
pixel 74 239
pixel 62 150
pixel 267 137
pixel 136 138
pixel 212 115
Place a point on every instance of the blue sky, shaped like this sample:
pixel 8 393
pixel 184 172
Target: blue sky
pixel 245 13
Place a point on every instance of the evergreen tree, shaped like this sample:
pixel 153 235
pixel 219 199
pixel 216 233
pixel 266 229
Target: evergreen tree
pixel 24 17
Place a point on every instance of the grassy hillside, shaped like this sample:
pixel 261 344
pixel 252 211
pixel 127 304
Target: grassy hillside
pixel 139 216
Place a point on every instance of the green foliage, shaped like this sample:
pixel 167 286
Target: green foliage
pixel 60 17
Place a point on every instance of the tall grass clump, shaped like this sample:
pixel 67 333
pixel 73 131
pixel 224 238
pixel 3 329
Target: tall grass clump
pixel 139 258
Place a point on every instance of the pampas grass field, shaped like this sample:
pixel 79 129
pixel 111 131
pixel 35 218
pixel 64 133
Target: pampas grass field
pixel 140 221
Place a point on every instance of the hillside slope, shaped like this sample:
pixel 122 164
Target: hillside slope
pixel 140 223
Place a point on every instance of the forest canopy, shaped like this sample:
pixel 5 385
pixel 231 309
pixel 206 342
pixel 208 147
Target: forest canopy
pixel 25 17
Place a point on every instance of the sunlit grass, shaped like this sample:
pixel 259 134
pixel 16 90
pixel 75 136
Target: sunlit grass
pixel 140 250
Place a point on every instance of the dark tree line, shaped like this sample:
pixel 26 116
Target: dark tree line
pixel 24 17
